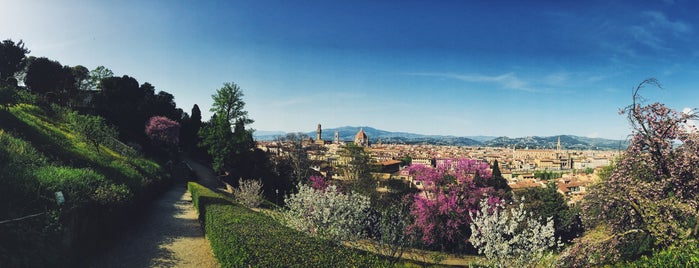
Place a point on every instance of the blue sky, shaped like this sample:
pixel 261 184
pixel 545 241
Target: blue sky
pixel 499 68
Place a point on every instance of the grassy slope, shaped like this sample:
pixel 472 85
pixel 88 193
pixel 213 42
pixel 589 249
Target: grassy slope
pixel 39 155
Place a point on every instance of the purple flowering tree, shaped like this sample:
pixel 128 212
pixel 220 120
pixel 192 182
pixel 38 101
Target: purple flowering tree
pixel 450 195
pixel 163 130
pixel 318 182
pixel 651 196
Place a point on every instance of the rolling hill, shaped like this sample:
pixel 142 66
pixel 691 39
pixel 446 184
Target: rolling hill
pixel 347 133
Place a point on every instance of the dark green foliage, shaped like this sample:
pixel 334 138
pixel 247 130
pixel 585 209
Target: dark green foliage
pixel 93 130
pixel 226 148
pixel 358 171
pixel 547 175
pixel 7 96
pixel 496 181
pixel 548 202
pixel 241 237
pixel 80 75
pixel 216 136
pixel 128 106
pixel 673 256
pixel 190 128
pixel 95 77
pixel 48 76
pixel 228 102
pixel 12 59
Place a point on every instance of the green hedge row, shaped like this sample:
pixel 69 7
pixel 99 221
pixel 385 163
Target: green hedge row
pixel 241 237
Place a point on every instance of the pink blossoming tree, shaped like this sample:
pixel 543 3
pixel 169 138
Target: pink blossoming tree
pixel 161 129
pixel 650 199
pixel 442 210
pixel 318 182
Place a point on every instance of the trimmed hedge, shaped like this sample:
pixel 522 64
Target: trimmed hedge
pixel 241 237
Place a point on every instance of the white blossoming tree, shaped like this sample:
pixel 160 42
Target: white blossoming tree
pixel 328 213
pixel 248 193
pixel 511 238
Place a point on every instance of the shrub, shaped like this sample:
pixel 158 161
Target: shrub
pixel 240 237
pixel 112 194
pixel 673 256
pixel 510 238
pixel 248 193
pixel 93 130
pixel 327 213
pixel 77 184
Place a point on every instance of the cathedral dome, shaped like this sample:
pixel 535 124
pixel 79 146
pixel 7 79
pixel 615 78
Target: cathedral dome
pixel 360 135
pixel 361 138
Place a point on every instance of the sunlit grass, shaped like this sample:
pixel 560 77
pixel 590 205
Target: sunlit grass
pixel 55 141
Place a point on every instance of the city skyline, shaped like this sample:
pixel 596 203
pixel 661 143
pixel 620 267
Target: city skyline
pixel 448 68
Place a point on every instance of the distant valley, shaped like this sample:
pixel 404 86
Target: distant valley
pixel 533 142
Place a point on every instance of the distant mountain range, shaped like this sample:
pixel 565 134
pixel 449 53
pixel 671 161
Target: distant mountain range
pixel 534 142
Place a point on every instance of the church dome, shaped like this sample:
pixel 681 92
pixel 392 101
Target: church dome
pixel 360 135
pixel 361 138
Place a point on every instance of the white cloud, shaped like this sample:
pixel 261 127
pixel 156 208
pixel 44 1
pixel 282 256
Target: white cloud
pixel 655 28
pixel 506 81
pixel 660 21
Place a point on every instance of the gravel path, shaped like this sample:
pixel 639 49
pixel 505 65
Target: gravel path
pixel 169 236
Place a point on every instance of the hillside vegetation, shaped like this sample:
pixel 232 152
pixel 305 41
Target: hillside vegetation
pixel 44 151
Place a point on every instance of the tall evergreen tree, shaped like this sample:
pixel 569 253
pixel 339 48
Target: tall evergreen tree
pixel 497 181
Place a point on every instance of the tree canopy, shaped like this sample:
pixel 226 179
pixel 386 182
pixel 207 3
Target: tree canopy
pixel 12 59
pixel 228 102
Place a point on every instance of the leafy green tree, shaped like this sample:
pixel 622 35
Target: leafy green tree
pixel 228 102
pixel 45 75
pixel 547 203
pixel 120 102
pixel 93 130
pixel 406 160
pixel 81 75
pixel 12 59
pixel 234 146
pixel 358 170
pixel 125 104
pixel 243 145
pixel 7 96
pixel 217 138
pixel 96 75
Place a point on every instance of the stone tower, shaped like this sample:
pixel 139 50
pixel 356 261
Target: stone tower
pixel 319 139
pixel 337 137
pixel 558 145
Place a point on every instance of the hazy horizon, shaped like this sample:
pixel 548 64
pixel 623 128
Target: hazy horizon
pixel 507 68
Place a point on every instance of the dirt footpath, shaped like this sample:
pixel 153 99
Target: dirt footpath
pixel 169 236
